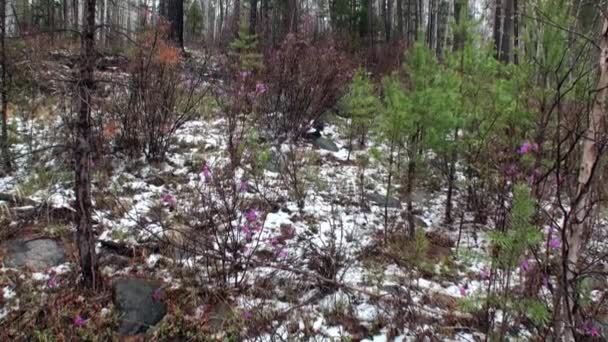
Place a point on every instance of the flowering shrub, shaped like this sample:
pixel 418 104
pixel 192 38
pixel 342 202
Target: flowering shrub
pixel 224 226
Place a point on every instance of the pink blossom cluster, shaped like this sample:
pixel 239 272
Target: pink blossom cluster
pixel 169 200
pixel 206 172
pixel 252 224
pixel 528 147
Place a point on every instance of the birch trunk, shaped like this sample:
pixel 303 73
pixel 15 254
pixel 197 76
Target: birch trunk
pixel 583 207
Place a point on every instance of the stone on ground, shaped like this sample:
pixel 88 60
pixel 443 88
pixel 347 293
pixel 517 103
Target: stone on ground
pixel 38 254
pixel 325 144
pixel 138 305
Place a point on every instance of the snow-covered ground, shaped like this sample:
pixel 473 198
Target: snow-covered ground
pixel 368 293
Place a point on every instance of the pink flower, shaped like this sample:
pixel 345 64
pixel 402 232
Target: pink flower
pixel 260 88
pixel 53 282
pixel 244 74
pixel 251 215
pixel 157 295
pixel 484 274
pixel 246 314
pixel 248 233
pixel 524 265
pixel 527 147
pixel 79 321
pixel 243 187
pixel 169 200
pixel 281 253
pixel 274 241
pixel 555 243
pixel 463 291
pixel 206 172
pixel 594 331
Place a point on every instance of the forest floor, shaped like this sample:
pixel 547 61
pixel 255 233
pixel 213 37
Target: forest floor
pixel 328 269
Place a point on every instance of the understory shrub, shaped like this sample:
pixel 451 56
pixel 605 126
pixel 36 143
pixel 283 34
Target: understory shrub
pixel 160 98
pixel 304 80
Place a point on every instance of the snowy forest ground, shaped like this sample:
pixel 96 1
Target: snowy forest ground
pixel 337 267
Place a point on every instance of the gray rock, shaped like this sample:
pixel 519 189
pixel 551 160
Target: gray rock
pixel 381 200
pixel 394 290
pixel 419 222
pixel 325 144
pixel 39 254
pixel 135 301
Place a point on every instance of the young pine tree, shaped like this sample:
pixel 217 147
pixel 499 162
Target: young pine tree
pixel 361 106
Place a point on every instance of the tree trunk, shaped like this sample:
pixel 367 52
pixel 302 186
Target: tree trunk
pixel 389 11
pixel 418 18
pixel 265 19
pixel 370 24
pixel 84 230
pixel 4 91
pixel 236 20
pixel 66 16
pixel 386 18
pixel 413 154
pixel 253 16
pixel 175 16
pixel 594 147
pixel 411 178
pixel 400 19
pixel 451 180
pixel 290 20
pixel 507 31
pixel 498 29
pixel 75 16
pixel 211 23
pixel 460 10
pixel 515 32
pixel 431 29
pixel 442 27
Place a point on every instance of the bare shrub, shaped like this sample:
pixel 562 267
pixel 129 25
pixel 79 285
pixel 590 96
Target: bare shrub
pixel 162 95
pixel 304 80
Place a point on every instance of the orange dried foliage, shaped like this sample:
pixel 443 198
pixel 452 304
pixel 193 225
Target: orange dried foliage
pixel 168 55
pixel 110 130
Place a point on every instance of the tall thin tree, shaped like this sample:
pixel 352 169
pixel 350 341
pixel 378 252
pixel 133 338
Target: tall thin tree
pixel 400 19
pixel 82 152
pixel 594 145
pixel 5 89
pixel 253 16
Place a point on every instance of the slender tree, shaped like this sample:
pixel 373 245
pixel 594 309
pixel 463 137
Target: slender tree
pixel 400 19
pixel 5 88
pixel 594 150
pixel 386 16
pixel 253 16
pixel 82 155
pixel 507 32
pixel 497 33
pixel 516 23
pixel 370 23
pixel 290 17
pixel 236 20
